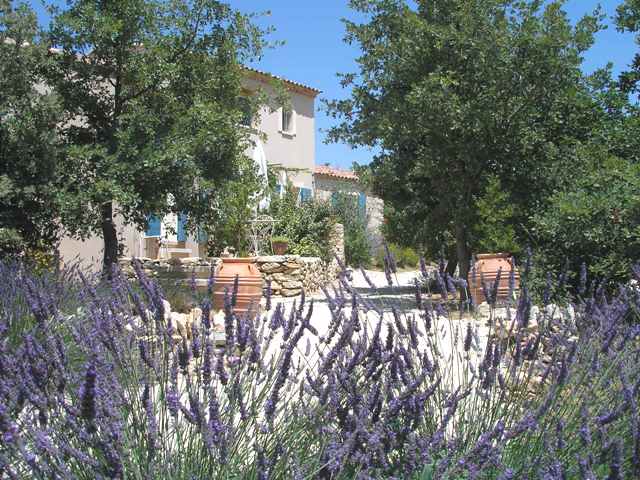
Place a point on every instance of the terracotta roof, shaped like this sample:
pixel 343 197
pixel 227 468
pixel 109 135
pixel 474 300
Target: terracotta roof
pixel 300 87
pixel 335 172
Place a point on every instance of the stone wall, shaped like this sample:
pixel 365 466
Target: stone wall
pixel 288 274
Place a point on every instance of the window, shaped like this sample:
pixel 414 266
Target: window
pixel 153 226
pixel 305 194
pixel 182 227
pixel 362 203
pixel 287 120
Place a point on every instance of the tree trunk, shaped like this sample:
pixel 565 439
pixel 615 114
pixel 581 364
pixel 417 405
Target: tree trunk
pixel 110 237
pixel 462 250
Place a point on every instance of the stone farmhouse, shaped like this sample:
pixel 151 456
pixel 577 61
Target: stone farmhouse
pixel 289 142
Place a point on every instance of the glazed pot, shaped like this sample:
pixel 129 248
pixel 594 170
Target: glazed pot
pixel 249 284
pixel 486 268
pixel 279 248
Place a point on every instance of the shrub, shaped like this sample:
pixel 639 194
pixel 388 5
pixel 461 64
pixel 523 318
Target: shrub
pixel 109 390
pixel 357 250
pixel 494 232
pixel 409 257
pixel 595 221
pixel 404 257
pixel 307 225
pixel 11 243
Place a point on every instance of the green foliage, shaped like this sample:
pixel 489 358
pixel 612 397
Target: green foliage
pixel 307 225
pixel 596 220
pixel 29 147
pixel 494 231
pixel 279 239
pixel 405 257
pixel 451 92
pixel 235 199
pixel 409 257
pixel 11 242
pixel 357 250
pixel 628 20
pixel 158 88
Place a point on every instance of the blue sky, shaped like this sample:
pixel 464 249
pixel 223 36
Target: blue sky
pixel 313 52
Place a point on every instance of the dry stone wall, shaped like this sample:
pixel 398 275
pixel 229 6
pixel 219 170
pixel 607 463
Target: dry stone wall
pixel 289 274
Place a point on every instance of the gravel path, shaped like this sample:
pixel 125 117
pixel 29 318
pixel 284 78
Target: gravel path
pixel 447 332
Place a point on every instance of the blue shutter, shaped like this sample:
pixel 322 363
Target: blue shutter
pixel 279 190
pixel 202 235
pixel 334 198
pixel 182 231
pixel 362 203
pixel 153 226
pixel 305 194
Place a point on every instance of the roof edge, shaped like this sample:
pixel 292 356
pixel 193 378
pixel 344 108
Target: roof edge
pixel 295 86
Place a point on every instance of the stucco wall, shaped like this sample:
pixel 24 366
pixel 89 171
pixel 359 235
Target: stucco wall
pixel 89 252
pixel 295 150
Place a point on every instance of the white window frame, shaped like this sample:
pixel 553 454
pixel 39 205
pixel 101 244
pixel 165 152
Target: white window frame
pixel 291 132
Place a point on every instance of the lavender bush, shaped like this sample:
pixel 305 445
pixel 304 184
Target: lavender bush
pixel 104 385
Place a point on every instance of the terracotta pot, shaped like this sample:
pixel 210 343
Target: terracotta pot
pixel 279 248
pixel 249 284
pixel 486 268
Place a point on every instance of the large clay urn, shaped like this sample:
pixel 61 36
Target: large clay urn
pixel 486 268
pixel 249 283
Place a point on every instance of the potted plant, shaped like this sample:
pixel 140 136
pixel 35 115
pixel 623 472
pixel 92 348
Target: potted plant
pixel 279 245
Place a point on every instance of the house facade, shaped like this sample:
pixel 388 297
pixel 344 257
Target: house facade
pixel 287 140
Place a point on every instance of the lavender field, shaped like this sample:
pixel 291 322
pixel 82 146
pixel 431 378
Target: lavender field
pixel 97 383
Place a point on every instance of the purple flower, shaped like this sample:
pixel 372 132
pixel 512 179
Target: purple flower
pixel 173 401
pixel 468 337
pixel 388 272
pixel 390 259
pixel 615 465
pixel 192 282
pixel 206 361
pixel 234 292
pixel 152 426
pixel 206 315
pixel 367 279
pixel 211 281
pixel 220 370
pixel 184 356
pixel 262 465
pixel 88 396
pixel 268 295
pixel 229 319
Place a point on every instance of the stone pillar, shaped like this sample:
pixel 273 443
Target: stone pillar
pixel 336 241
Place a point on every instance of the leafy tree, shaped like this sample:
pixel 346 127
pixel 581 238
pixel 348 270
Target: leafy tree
pixel 628 20
pixel 452 92
pixel 29 148
pixel 152 94
pixel 596 221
